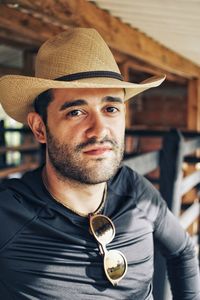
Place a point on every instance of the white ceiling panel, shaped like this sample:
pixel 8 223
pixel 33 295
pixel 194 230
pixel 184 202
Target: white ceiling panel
pixel 173 23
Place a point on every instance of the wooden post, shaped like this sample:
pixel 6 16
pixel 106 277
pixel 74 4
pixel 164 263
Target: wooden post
pixel 129 140
pixel 2 143
pixel 28 62
pixel 171 160
pixel 171 173
pixel 124 68
pixel 193 116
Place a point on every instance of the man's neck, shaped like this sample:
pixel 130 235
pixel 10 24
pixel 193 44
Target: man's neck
pixel 79 198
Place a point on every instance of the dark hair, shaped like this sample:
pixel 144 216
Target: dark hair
pixel 41 103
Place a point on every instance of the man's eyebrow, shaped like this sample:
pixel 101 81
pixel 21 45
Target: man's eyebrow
pixel 80 102
pixel 112 99
pixel 72 103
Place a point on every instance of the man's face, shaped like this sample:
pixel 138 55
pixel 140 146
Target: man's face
pixel 85 133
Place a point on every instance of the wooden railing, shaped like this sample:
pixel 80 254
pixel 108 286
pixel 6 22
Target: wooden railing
pixel 18 169
pixel 173 185
pixel 29 151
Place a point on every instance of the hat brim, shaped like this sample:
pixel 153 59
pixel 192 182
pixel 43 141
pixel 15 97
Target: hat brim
pixel 17 93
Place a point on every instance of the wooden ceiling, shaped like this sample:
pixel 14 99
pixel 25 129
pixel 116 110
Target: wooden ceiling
pixel 25 24
pixel 174 23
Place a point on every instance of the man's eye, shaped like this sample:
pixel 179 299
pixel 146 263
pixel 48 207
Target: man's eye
pixel 112 109
pixel 74 113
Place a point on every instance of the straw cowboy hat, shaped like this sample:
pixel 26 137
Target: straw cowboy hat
pixel 77 58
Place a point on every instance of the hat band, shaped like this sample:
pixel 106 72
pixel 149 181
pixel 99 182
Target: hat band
pixel 90 74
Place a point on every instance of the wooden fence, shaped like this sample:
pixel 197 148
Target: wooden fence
pixel 173 185
pixel 29 151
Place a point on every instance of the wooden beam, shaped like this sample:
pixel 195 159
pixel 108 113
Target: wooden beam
pixel 22 148
pixel 118 35
pixel 141 66
pixel 191 146
pixel 11 38
pixel 28 67
pixel 20 169
pixel 125 72
pixel 26 41
pixel 189 182
pixel 144 163
pixel 193 104
pixel 10 70
pixel 147 68
pixel 24 24
pixel 190 215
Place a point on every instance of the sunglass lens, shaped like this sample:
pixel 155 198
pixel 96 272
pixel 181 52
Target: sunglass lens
pixel 115 264
pixel 103 229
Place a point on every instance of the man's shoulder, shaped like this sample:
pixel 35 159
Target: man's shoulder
pixel 16 208
pixel 8 190
pixel 21 185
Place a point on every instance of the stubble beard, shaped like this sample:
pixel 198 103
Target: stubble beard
pixel 69 163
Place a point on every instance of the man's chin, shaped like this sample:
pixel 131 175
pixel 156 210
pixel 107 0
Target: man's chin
pixel 88 171
pixel 100 175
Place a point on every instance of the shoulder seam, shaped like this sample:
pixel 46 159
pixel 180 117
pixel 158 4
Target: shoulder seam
pixel 18 232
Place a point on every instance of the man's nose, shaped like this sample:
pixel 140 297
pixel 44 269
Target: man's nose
pixel 98 128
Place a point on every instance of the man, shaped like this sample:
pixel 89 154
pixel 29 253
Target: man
pixel 82 226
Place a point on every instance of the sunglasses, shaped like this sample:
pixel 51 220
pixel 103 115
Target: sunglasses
pixel 115 263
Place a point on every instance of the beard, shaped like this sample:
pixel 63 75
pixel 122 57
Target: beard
pixel 70 163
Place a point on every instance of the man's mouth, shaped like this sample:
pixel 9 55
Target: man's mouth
pixel 99 150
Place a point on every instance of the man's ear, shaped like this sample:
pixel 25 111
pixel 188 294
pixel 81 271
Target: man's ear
pixel 37 126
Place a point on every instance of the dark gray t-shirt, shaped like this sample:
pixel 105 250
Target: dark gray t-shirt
pixel 47 251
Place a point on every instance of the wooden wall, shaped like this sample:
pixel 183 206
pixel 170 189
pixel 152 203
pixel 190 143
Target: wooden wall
pixel 163 107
